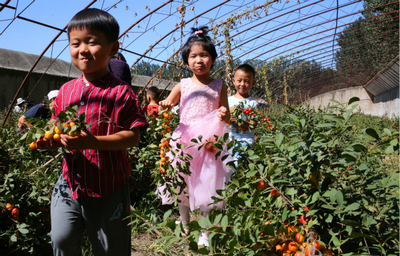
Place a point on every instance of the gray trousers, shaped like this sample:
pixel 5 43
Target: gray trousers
pixel 102 217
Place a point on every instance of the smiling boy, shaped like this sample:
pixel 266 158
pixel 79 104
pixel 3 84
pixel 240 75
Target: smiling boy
pixel 92 192
pixel 243 81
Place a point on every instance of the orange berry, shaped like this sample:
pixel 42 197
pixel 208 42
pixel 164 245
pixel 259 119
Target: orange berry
pixel 57 131
pixel 33 145
pixel 162 171
pixel 74 133
pixel 293 246
pixel 48 135
pixel 9 207
pixel 56 137
pixel 72 124
pixel 327 252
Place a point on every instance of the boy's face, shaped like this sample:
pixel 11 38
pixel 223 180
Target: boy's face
pixel 51 104
pixel 243 82
pixel 91 52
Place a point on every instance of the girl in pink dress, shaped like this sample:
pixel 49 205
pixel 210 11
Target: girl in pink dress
pixel 203 111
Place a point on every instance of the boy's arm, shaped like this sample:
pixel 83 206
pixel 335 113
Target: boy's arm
pixel 117 141
pixel 172 98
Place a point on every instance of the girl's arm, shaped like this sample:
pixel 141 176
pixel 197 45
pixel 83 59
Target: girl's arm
pixel 224 115
pixel 172 98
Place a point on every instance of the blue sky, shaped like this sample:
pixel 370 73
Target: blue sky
pixel 277 35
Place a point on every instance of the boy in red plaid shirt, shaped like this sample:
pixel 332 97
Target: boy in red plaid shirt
pixel 92 193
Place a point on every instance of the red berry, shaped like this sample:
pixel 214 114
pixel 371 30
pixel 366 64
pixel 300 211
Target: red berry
pixel 15 211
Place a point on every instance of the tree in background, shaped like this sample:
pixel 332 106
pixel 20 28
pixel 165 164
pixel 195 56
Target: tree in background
pixel 369 44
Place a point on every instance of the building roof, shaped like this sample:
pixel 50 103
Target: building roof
pixel 21 61
pixel 385 80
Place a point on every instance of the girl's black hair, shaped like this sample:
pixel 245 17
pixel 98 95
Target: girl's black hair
pixel 201 38
pixel 97 20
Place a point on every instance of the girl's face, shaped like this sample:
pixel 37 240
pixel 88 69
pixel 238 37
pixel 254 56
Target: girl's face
pixel 200 60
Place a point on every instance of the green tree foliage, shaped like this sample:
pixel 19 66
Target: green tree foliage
pixel 370 43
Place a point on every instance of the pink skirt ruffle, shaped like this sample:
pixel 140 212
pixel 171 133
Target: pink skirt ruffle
pixel 207 173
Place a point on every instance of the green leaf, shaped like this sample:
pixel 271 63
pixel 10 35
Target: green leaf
pixel 352 207
pixel 387 131
pixel 339 197
pixel 326 206
pixel 394 142
pixel 284 214
pixel 203 222
pixel 302 123
pixel 325 125
pixel 329 218
pixel 251 173
pixel 254 157
pixel 352 223
pixel 251 167
pixel 334 239
pixel 218 219
pixel 279 139
pixel 371 132
pixel 13 238
pixel 224 222
pixel 166 215
pixel 390 149
pixel 23 230
pixel 352 100
pixel 359 146
pixel 293 117
pixel 349 155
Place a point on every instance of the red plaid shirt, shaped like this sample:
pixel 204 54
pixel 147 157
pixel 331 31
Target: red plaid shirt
pixel 110 106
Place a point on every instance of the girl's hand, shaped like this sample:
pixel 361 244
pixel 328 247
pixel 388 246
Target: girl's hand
pixel 85 140
pixel 165 104
pixel 223 114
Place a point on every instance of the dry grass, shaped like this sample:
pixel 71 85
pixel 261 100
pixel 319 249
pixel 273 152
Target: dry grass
pixel 146 243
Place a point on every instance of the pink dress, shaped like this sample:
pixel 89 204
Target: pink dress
pixel 198 116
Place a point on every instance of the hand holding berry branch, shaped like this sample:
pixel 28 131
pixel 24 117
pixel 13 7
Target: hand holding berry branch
pixel 71 134
pixel 247 118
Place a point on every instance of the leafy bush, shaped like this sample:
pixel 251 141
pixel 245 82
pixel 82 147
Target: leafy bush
pixel 333 187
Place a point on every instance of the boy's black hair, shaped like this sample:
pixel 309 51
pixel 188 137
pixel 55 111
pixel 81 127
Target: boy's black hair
pixel 201 38
pixel 154 93
pixel 247 68
pixel 97 20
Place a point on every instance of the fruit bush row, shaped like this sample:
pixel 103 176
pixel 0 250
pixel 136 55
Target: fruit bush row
pixel 326 175
pixel 336 187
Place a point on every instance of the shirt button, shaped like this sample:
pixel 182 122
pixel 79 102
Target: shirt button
pixel 82 103
pixel 87 84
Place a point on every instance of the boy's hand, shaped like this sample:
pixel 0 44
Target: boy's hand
pixel 85 140
pixel 223 115
pixel 48 144
pixel 165 104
